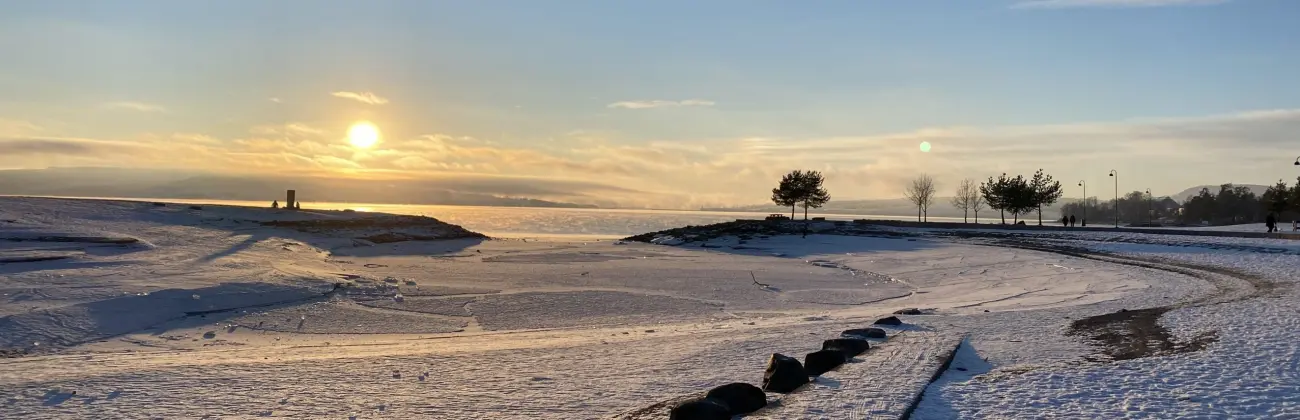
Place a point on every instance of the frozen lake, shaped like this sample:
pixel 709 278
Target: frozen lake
pixel 516 222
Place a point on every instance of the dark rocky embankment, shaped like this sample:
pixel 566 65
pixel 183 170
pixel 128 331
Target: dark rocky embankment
pixel 381 229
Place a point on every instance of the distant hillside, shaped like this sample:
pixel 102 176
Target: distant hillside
pixel 132 183
pixel 1214 189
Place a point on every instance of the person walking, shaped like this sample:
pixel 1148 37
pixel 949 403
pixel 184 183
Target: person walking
pixel 1072 220
pixel 1065 221
pixel 1271 222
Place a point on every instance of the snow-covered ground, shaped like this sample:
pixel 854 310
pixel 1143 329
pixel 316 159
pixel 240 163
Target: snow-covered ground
pixel 137 311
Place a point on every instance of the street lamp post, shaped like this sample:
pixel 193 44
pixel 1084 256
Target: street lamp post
pixel 1115 175
pixel 1085 201
pixel 1150 207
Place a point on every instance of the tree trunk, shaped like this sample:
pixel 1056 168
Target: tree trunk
pixel 977 217
pixel 1040 215
pixel 918 212
pixel 965 216
pixel 805 219
pixel 1003 213
pixel 792 212
pixel 925 215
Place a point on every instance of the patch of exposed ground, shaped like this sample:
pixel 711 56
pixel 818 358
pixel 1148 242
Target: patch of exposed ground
pixel 1132 334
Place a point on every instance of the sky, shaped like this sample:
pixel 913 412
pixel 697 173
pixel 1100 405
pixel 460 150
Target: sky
pixel 676 103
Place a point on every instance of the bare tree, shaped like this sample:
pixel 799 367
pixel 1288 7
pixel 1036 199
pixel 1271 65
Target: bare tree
pixel 977 203
pixel 968 198
pixel 921 193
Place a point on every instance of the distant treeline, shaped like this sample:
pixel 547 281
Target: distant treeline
pixel 1229 205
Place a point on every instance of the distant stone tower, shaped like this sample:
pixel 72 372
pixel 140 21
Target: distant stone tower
pixel 290 202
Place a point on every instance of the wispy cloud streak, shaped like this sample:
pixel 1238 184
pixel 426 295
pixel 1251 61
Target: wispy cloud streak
pixel 363 97
pixel 660 104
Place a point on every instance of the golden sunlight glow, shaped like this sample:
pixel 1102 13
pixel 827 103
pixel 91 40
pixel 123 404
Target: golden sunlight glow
pixel 363 135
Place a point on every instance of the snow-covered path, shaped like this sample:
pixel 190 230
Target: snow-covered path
pixel 172 326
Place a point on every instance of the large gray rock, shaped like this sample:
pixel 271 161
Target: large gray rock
pixel 865 333
pixel 849 346
pixel 784 374
pixel 741 398
pixel 892 320
pixel 822 361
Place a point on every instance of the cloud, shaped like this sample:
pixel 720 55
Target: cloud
pixel 134 106
pixel 27 146
pixel 196 138
pixel 10 127
pixel 660 104
pixel 363 97
pixel 1066 4
pixel 289 129
pixel 1164 154
pixel 274 99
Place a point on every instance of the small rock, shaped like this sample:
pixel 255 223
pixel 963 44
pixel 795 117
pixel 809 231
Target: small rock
pixel 822 361
pixel 908 311
pixel 848 346
pixel 649 331
pixel 210 335
pixel 893 320
pixel 784 374
pixel 741 398
pixel 865 333
pixel 701 409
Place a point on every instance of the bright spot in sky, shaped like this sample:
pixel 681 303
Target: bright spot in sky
pixel 925 147
pixel 363 135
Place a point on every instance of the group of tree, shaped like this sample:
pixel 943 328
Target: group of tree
pixel 1133 207
pixel 921 193
pixel 1231 204
pixel 968 199
pixel 1236 204
pixel 1017 195
pixel 801 188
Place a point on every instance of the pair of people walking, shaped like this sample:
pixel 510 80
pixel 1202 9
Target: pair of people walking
pixel 1068 221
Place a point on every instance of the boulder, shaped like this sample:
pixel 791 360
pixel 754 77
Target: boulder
pixel 740 398
pixel 908 311
pixel 849 346
pixel 865 333
pixel 701 409
pixel 822 361
pixel 893 320
pixel 784 374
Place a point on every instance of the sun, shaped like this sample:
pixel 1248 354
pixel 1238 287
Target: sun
pixel 363 135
